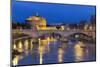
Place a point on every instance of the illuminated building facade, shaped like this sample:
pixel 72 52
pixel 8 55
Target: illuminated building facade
pixel 39 23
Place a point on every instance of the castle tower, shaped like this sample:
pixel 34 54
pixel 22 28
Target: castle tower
pixel 37 22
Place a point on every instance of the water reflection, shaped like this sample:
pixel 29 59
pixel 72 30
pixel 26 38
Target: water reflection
pixel 60 55
pixel 20 46
pixel 15 60
pixel 43 44
pixel 14 46
pixel 41 54
pixel 26 45
pixel 49 50
pixel 31 47
pixel 78 50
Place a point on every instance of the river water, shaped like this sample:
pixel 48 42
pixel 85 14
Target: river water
pixel 50 51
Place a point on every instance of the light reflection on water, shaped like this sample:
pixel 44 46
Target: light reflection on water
pixel 20 46
pixel 14 46
pixel 31 44
pixel 41 49
pixel 48 47
pixel 78 52
pixel 15 60
pixel 60 55
pixel 26 45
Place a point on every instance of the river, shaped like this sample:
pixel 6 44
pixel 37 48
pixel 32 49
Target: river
pixel 50 51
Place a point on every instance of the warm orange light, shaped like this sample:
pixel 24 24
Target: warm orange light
pixel 15 61
pixel 60 54
pixel 20 47
pixel 78 51
pixel 14 46
pixel 26 44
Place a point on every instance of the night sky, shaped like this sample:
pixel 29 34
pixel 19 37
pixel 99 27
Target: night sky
pixel 53 13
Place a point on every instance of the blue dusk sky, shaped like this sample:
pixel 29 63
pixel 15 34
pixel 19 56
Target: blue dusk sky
pixel 53 13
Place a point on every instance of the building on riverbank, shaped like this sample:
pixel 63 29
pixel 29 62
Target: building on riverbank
pixel 39 23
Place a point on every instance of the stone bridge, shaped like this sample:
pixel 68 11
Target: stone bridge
pixel 36 33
